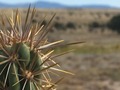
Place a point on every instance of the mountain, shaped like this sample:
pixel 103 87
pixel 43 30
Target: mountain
pixel 42 4
pixel 49 5
pixel 96 6
pixel 36 4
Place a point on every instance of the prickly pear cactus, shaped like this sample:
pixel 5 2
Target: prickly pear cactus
pixel 23 63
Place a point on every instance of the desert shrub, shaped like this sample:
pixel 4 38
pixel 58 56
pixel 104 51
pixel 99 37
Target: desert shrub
pixel 59 26
pixel 70 25
pixel 95 25
pixel 114 23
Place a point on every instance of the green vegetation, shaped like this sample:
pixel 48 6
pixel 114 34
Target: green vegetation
pixel 92 49
pixel 114 23
pixel 59 26
pixel 70 25
pixel 95 24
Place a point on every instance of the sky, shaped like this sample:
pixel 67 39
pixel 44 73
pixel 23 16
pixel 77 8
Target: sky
pixel 115 3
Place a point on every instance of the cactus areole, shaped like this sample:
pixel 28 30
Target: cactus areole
pixel 23 63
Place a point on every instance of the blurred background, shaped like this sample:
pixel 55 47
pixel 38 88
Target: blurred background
pixel 96 63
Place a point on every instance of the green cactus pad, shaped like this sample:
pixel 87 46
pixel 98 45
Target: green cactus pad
pixel 13 78
pixel 24 53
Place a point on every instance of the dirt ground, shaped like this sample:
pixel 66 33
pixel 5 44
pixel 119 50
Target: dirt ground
pixel 93 71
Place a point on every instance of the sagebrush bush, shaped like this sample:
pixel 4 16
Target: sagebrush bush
pixel 95 24
pixel 71 25
pixel 59 26
pixel 114 23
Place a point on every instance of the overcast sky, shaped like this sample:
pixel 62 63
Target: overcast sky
pixel 70 2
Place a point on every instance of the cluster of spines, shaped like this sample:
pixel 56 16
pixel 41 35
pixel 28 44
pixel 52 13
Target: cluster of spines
pixel 23 65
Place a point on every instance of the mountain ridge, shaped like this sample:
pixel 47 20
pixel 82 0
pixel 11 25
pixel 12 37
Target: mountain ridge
pixel 42 4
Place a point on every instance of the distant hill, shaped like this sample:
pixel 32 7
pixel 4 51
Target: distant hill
pixel 42 4
pixel 96 6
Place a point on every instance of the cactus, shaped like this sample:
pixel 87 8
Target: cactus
pixel 23 62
